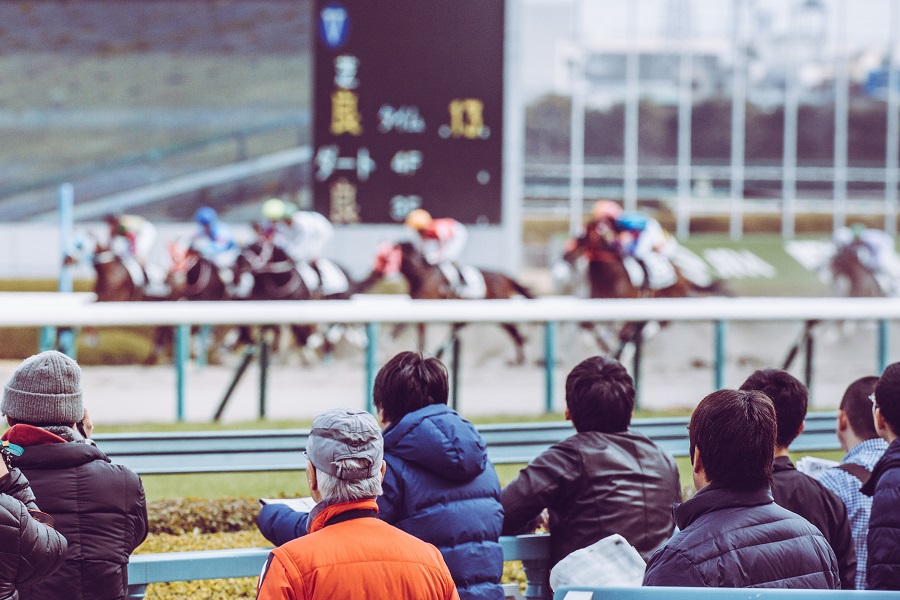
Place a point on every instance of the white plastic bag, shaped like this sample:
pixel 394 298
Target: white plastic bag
pixel 611 561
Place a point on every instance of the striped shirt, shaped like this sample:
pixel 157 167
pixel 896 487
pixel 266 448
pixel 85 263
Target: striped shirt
pixel 859 507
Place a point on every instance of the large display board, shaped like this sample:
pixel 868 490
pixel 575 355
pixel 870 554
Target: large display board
pixel 408 109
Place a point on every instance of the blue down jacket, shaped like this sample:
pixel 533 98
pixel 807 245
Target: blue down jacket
pixel 883 570
pixel 742 539
pixel 441 488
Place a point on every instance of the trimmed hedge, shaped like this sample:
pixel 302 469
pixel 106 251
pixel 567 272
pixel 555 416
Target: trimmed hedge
pixel 199 516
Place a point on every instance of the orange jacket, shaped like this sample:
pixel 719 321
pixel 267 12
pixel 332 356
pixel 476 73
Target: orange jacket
pixel 358 559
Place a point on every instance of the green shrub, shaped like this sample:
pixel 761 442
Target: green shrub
pixel 200 516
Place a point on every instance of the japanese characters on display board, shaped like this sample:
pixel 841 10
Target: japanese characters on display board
pixel 408 110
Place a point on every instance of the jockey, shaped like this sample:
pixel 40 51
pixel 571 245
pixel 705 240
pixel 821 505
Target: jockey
pixel 213 239
pixel 441 240
pixel 880 257
pixel 302 234
pixel 636 235
pixel 131 236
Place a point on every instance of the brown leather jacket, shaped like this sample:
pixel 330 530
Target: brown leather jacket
pixel 594 485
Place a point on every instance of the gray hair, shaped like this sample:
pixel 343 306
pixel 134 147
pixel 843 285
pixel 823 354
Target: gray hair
pixel 343 490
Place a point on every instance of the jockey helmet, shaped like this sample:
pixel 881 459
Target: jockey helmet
pixel 418 220
pixel 111 219
pixel 275 209
pixel 605 209
pixel 206 215
pixel 857 229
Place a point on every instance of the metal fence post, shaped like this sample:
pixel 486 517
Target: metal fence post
pixel 371 363
pixel 550 329
pixel 884 334
pixel 182 352
pixel 719 350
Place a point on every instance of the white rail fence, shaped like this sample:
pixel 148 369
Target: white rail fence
pixel 74 310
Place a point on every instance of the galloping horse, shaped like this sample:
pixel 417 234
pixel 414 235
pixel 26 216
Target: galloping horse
pixel 608 277
pixel 117 281
pixel 275 277
pixel 849 275
pixel 195 277
pixel 428 282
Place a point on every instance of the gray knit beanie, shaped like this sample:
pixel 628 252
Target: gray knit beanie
pixel 45 390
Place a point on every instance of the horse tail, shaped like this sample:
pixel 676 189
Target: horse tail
pixel 520 289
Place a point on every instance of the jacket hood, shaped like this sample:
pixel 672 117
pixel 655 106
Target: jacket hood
pixel 889 460
pixel 437 439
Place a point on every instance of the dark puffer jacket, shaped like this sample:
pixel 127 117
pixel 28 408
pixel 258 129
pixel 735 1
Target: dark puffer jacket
pixel 883 570
pixel 803 495
pixel 97 505
pixel 30 550
pixel 441 488
pixel 742 539
pixel 594 485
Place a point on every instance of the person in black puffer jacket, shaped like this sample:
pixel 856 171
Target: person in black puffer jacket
pixel 99 506
pixel 883 540
pixel 732 534
pixel 32 550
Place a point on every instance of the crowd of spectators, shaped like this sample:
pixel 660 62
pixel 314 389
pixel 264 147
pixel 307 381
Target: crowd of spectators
pixel 412 506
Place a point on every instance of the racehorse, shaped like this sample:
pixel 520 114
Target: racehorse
pixel 849 275
pixel 276 277
pixel 117 281
pixel 428 282
pixel 608 277
pixel 195 277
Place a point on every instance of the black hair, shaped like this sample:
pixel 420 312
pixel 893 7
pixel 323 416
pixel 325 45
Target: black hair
pixel 600 395
pixel 734 431
pixel 858 408
pixel 887 396
pixel 408 382
pixel 790 397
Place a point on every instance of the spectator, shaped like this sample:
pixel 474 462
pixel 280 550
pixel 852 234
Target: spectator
pixel 857 435
pixel 349 553
pixel 732 534
pixel 883 569
pixel 98 506
pixel 32 549
pixel 605 479
pixel 439 486
pixel 796 491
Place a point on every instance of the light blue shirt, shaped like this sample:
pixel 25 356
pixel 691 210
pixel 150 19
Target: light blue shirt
pixel 859 507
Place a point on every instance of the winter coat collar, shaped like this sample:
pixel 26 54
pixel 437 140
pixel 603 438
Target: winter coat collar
pixel 714 497
pixel 783 463
pixel 890 460
pixel 438 440
pixel 29 435
pixel 324 512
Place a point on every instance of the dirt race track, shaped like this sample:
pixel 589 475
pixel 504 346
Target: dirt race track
pixel 677 371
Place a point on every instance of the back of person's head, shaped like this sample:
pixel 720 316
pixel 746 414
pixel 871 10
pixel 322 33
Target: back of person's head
pixel 734 431
pixel 346 448
pixel 887 396
pixel 45 390
pixel 600 395
pixel 858 408
pixel 789 396
pixel 408 382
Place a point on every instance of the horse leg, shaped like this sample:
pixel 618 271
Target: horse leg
pixel 454 332
pixel 420 328
pixel 630 334
pixel 163 338
pixel 519 340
